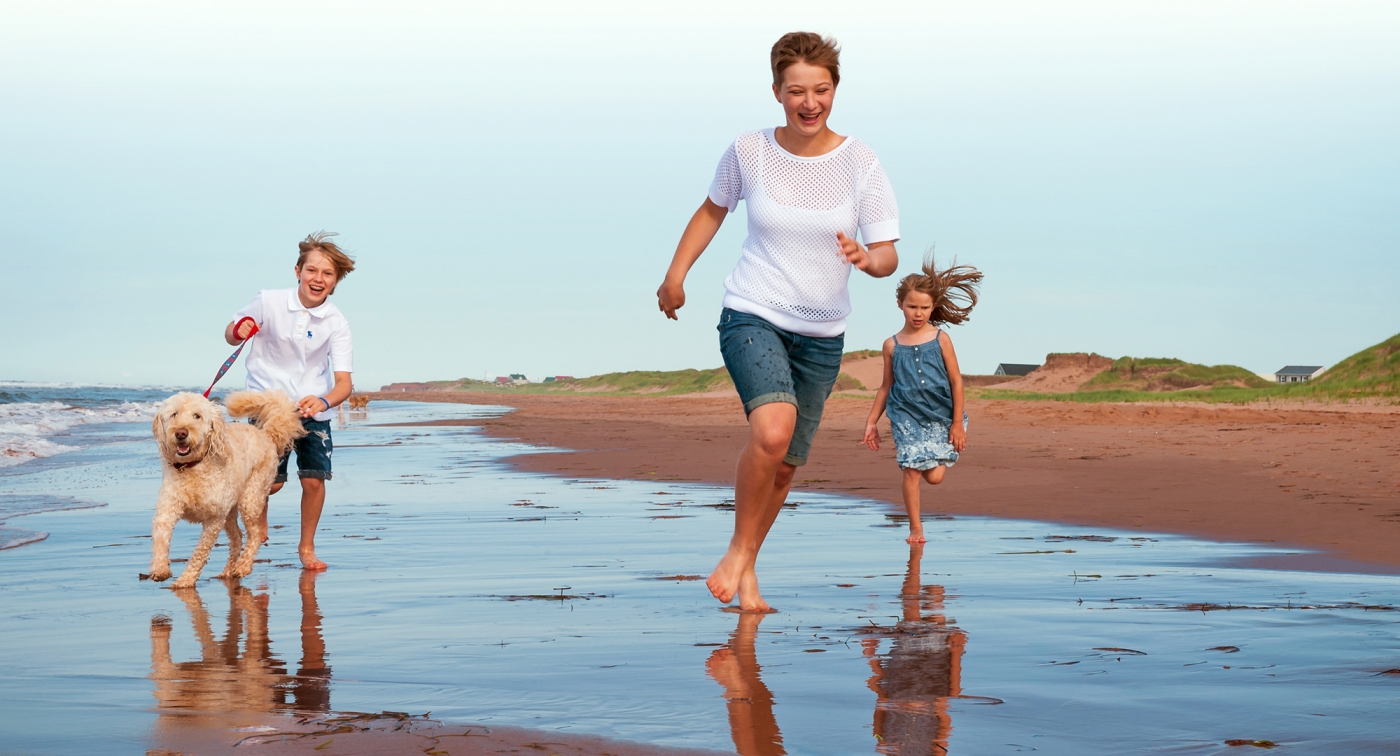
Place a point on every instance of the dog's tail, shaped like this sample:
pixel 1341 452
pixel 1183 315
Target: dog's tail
pixel 271 411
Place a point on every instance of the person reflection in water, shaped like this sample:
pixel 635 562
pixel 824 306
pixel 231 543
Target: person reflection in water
pixel 311 688
pixel 750 703
pixel 922 670
pixel 238 673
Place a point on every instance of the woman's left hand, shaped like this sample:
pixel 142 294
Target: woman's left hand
pixel 856 254
pixel 958 438
pixel 878 261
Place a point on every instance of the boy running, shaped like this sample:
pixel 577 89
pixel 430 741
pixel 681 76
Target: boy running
pixel 303 349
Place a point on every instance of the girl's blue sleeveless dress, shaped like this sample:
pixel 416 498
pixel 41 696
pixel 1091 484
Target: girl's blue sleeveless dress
pixel 920 407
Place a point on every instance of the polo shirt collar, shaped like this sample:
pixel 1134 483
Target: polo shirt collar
pixel 320 311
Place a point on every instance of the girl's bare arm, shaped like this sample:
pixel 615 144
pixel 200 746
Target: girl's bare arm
pixel 697 236
pixel 872 432
pixel 957 436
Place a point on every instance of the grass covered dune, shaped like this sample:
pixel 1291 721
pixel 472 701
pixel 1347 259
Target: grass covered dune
pixel 1371 374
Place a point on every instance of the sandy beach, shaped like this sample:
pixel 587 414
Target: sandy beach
pixel 486 596
pixel 1321 479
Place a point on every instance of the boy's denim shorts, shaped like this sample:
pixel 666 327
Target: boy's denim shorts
pixel 769 364
pixel 313 452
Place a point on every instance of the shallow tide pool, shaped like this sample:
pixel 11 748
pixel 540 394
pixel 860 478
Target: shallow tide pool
pixel 465 588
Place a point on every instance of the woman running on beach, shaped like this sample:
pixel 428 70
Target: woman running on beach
pixel 922 389
pixel 809 190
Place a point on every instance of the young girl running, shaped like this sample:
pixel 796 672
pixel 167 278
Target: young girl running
pixel 922 389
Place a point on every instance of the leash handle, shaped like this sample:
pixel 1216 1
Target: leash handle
pixel 233 357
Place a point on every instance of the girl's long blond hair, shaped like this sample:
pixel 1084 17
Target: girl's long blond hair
pixel 953 290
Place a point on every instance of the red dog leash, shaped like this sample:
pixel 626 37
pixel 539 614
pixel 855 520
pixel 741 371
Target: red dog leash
pixel 233 357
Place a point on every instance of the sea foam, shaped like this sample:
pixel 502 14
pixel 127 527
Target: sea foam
pixel 28 429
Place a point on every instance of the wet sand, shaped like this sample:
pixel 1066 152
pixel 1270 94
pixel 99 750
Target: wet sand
pixel 1321 480
pixel 559 613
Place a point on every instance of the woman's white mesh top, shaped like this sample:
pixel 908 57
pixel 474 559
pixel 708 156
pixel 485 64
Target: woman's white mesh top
pixel 792 272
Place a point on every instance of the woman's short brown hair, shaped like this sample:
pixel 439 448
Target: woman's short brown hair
pixel 320 242
pixel 808 47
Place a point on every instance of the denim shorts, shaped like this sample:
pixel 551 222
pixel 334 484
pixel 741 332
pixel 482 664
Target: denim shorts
pixel 769 364
pixel 313 452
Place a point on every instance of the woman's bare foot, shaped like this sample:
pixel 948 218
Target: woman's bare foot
pixel 750 600
pixel 916 536
pixel 723 668
pixel 309 560
pixel 724 581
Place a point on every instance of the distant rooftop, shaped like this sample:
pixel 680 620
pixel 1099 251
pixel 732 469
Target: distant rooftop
pixel 1014 368
pixel 1299 370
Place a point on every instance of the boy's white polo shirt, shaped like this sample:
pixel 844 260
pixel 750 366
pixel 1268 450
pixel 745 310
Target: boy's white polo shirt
pixel 297 349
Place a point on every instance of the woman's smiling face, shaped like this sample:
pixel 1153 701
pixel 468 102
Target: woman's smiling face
pixel 806 94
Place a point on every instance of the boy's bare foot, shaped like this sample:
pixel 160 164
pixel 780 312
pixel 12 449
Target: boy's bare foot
pixel 724 581
pixel 309 560
pixel 916 536
pixel 750 600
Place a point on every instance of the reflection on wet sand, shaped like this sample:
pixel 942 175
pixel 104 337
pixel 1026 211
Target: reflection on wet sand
pixel 921 671
pixel 238 673
pixel 750 703
pixel 912 681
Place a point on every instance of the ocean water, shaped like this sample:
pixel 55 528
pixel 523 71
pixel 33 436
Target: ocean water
pixel 463 587
pixel 39 420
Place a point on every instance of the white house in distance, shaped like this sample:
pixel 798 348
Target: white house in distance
pixel 1298 373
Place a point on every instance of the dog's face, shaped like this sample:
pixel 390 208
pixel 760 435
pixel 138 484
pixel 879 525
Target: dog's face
pixel 188 428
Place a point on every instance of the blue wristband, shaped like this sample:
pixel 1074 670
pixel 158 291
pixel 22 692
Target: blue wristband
pixel 323 401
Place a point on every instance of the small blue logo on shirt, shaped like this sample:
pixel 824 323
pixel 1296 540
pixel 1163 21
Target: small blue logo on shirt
pixel 308 334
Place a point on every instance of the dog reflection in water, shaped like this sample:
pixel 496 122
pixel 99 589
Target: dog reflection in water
pixel 238 673
pixel 912 682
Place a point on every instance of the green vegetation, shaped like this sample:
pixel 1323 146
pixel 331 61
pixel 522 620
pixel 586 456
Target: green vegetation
pixel 653 382
pixel 1165 374
pixel 860 354
pixel 1373 373
pixel 848 382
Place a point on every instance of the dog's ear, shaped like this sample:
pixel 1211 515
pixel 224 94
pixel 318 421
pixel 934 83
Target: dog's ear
pixel 158 430
pixel 218 436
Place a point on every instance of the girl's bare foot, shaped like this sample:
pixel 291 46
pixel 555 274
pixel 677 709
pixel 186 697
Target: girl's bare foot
pixel 309 560
pixel 724 581
pixel 750 600
pixel 916 536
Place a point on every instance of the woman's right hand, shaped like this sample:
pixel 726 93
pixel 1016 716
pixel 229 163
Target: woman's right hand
pixel 243 330
pixel 670 297
pixel 872 437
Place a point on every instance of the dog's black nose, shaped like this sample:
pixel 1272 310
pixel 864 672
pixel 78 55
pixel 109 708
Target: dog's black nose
pixel 181 434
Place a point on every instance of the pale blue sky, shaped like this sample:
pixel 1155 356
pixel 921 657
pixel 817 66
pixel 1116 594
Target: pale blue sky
pixel 1215 181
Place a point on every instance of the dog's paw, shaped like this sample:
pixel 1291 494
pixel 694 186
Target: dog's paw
pixel 182 584
pixel 159 574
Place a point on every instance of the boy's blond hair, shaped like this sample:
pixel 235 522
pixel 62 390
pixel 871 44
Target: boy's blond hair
pixel 320 242
pixel 953 290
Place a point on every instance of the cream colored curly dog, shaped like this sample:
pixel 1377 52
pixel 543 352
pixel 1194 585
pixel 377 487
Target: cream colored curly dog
pixel 214 470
